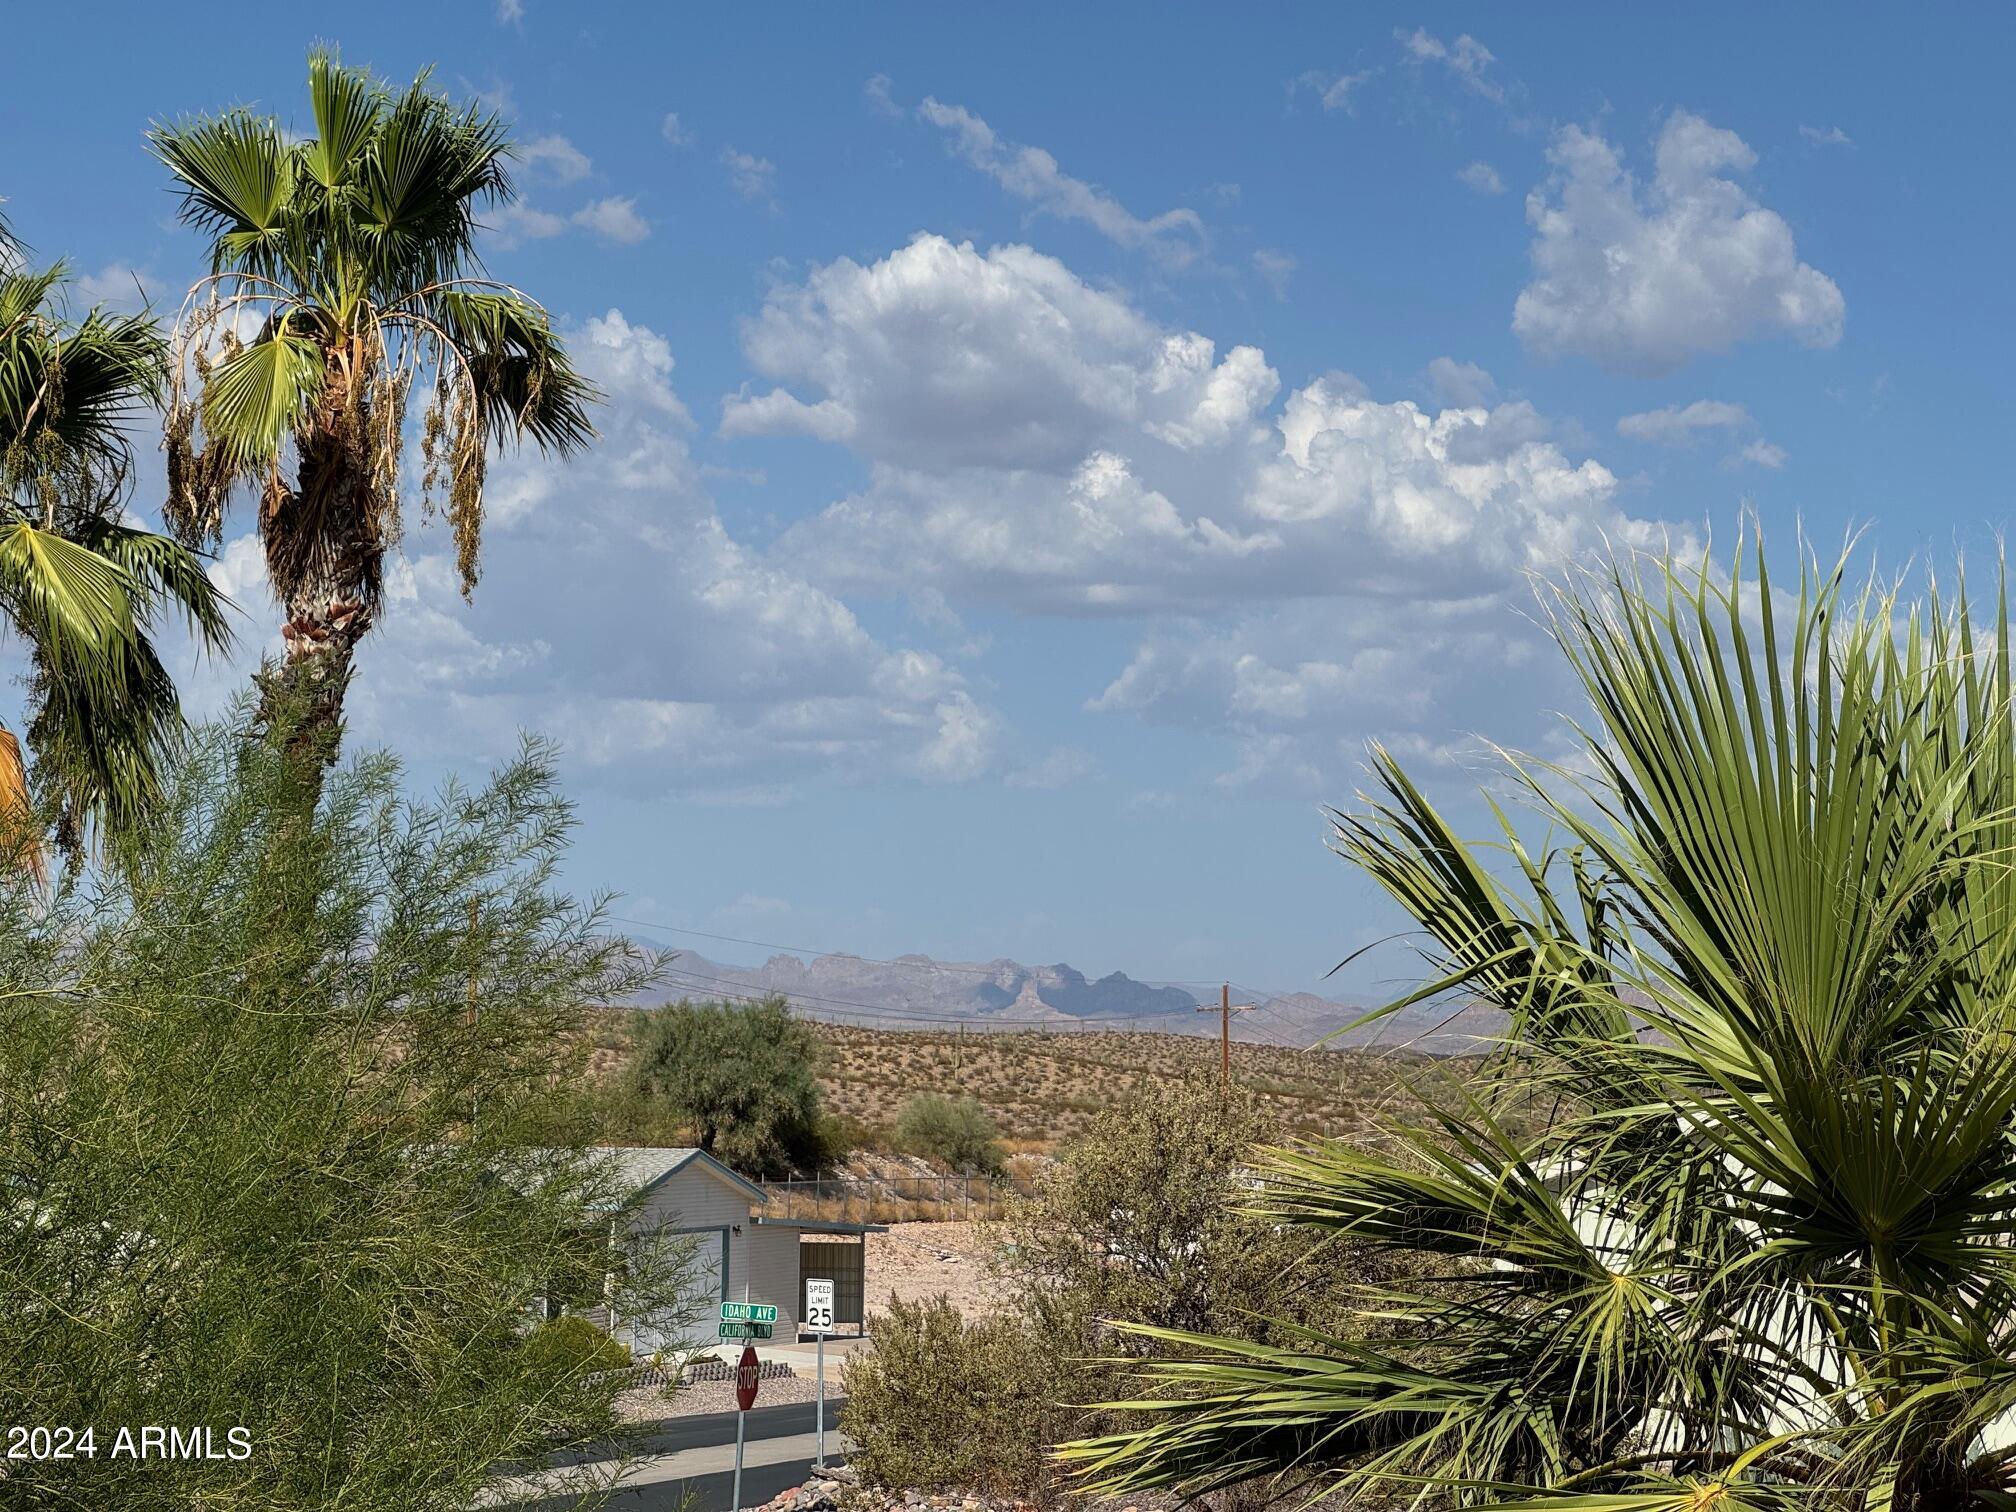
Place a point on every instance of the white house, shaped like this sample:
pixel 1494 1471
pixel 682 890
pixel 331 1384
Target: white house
pixel 741 1256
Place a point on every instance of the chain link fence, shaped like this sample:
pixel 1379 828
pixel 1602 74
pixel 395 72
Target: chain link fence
pixel 889 1199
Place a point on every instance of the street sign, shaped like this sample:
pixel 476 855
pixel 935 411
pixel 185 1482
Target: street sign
pixel 819 1305
pixel 732 1329
pixel 748 1312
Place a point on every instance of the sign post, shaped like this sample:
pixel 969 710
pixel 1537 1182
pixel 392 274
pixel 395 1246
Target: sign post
pixel 745 1398
pixel 819 1318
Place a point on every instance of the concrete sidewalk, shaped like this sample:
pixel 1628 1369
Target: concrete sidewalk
pixel 650 1470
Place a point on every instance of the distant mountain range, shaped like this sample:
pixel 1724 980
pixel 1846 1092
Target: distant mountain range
pixel 916 991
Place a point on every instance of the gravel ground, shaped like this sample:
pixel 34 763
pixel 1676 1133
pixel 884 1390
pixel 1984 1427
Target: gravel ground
pixel 916 1261
pixel 649 1403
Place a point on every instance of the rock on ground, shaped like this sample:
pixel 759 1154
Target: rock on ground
pixel 647 1404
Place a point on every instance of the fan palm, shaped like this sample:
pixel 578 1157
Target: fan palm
pixel 82 589
pixel 1763 1253
pixel 343 272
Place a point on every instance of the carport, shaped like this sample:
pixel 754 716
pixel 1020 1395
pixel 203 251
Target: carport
pixel 837 1252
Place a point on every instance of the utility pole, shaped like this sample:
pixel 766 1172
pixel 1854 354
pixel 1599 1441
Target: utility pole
pixel 1226 1008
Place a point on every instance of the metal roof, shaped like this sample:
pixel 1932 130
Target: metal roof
pixel 822 1225
pixel 639 1167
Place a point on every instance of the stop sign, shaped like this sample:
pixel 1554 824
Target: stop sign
pixel 745 1380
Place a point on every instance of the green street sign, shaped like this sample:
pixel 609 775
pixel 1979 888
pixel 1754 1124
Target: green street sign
pixel 735 1328
pixel 748 1312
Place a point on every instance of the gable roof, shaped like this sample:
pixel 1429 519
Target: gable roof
pixel 643 1167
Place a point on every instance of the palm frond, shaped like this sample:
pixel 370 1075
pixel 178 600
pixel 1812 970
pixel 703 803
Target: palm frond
pixel 164 570
pixel 235 177
pixel 1762 1252
pixel 73 605
pixel 260 395
pixel 69 389
pixel 523 377
pixel 346 103
pixel 100 749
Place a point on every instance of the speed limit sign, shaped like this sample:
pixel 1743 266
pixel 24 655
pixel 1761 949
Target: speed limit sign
pixel 819 1322
pixel 818 1306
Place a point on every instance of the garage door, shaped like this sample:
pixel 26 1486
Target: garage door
pixel 840 1263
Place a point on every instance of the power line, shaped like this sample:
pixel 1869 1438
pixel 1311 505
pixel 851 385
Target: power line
pixel 1282 1011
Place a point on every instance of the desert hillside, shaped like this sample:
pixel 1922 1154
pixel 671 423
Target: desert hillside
pixel 1042 1087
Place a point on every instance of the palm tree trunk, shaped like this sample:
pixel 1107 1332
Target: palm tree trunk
pixel 307 690
pixel 325 558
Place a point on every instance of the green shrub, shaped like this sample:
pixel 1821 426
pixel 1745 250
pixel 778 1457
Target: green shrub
pixel 839 1135
pixel 567 1348
pixel 1141 1220
pixel 955 1130
pixel 946 1404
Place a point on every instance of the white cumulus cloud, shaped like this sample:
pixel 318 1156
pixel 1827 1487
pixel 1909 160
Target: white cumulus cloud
pixel 1332 90
pixel 1482 177
pixel 1683 424
pixel 1644 277
pixel 554 158
pixel 941 356
pixel 753 177
pixel 1760 453
pixel 665 653
pixel 1466 58
pixel 1298 568
pixel 1276 268
pixel 1463 385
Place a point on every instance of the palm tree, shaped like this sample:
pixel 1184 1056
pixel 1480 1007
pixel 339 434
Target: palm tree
pixel 82 589
pixel 343 271
pixel 1762 1254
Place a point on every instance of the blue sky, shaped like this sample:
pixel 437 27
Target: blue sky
pixel 1046 443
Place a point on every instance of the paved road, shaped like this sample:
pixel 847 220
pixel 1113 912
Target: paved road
pixel 694 1457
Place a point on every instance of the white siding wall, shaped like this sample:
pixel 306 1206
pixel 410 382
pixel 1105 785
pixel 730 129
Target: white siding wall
pixel 696 1201
pixel 772 1257
pixel 763 1260
pixel 692 1199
